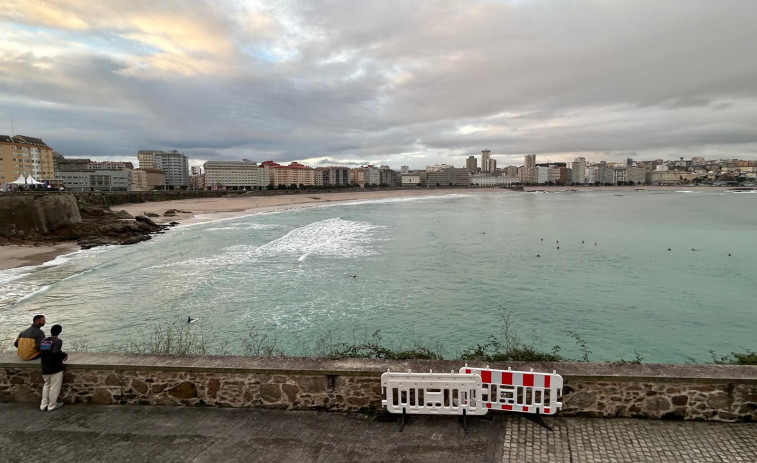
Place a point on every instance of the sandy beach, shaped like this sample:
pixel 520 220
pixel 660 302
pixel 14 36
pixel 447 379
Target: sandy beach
pixel 207 209
pixel 13 256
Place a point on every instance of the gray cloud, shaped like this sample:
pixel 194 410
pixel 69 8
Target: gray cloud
pixel 387 82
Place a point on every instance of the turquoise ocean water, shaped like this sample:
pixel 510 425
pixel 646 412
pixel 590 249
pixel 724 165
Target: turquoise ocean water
pixel 441 269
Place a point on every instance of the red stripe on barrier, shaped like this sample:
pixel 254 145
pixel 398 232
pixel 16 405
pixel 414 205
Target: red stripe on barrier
pixel 546 410
pixel 546 380
pixel 528 380
pixel 507 378
pixel 525 409
pixel 488 405
pixel 467 371
pixel 486 376
pixel 507 407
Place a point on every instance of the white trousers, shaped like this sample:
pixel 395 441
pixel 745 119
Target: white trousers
pixel 51 389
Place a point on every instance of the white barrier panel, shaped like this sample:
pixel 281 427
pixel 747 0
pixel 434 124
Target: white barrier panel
pixel 519 391
pixel 432 393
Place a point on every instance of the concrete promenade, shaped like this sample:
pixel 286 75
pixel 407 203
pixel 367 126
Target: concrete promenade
pixel 91 433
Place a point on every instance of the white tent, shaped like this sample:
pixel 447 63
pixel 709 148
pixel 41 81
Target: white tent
pixel 30 181
pixel 21 180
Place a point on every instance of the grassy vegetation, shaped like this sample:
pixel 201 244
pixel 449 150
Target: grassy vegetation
pixel 504 345
pixel 735 358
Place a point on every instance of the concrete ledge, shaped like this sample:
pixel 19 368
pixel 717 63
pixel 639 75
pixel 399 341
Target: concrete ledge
pixel 705 392
pixel 698 373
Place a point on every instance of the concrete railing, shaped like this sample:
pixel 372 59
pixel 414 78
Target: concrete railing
pixel 702 392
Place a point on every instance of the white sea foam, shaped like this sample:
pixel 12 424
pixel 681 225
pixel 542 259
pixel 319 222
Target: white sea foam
pixel 331 237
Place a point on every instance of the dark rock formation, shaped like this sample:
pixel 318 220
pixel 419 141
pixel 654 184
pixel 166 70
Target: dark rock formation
pixel 29 215
pixel 100 227
pixel 50 217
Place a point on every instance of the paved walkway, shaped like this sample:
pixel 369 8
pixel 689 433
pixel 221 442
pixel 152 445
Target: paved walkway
pixel 88 433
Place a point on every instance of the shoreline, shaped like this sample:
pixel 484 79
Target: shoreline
pixel 203 210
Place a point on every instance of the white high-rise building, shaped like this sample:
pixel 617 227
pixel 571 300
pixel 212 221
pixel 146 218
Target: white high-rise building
pixel 578 171
pixel 485 156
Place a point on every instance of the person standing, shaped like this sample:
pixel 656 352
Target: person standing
pixel 52 356
pixel 29 340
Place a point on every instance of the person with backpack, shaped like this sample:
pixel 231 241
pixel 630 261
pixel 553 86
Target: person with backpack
pixel 28 341
pixel 52 358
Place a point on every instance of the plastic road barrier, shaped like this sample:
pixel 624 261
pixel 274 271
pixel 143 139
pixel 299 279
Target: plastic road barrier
pixel 432 393
pixel 519 391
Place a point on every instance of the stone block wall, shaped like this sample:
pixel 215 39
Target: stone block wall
pixel 711 392
pixel 724 401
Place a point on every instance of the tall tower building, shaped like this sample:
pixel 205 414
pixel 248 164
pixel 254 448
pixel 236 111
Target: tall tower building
pixel 530 161
pixel 485 154
pixel 471 163
pixel 578 171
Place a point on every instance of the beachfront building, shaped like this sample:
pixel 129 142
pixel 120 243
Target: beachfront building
pixel 22 156
pixel 528 173
pixel 491 180
pixel 444 175
pixel 578 171
pixel 471 164
pixel 293 174
pixel 143 179
pixel 365 175
pixel 663 177
pixel 174 164
pixel 95 180
pixel 244 174
pixel 410 180
pixel 110 165
pixel 332 176
pixel 388 177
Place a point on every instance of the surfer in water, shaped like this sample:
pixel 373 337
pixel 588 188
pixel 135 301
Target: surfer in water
pixel 191 320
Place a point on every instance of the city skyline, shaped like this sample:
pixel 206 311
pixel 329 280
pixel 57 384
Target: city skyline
pixel 392 83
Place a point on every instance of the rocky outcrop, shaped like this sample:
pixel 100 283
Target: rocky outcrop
pixel 30 216
pixel 101 227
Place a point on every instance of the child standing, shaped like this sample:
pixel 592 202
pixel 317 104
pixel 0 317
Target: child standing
pixel 52 357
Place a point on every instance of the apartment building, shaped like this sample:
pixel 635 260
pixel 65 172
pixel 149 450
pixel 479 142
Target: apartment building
pixel 331 176
pixel 443 175
pixel 293 174
pixel 143 179
pixel 174 164
pixel 96 180
pixel 221 175
pixel 24 156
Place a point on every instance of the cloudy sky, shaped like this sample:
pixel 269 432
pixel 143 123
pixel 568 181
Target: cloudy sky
pixel 412 82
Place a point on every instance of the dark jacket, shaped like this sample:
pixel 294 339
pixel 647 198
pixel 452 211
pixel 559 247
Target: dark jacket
pixel 52 361
pixel 28 342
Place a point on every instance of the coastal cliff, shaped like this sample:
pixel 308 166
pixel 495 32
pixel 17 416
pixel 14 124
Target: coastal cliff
pixel 29 215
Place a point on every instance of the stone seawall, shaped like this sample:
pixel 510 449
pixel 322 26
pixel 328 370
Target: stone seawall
pixel 33 214
pixel 698 392
pixel 114 198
